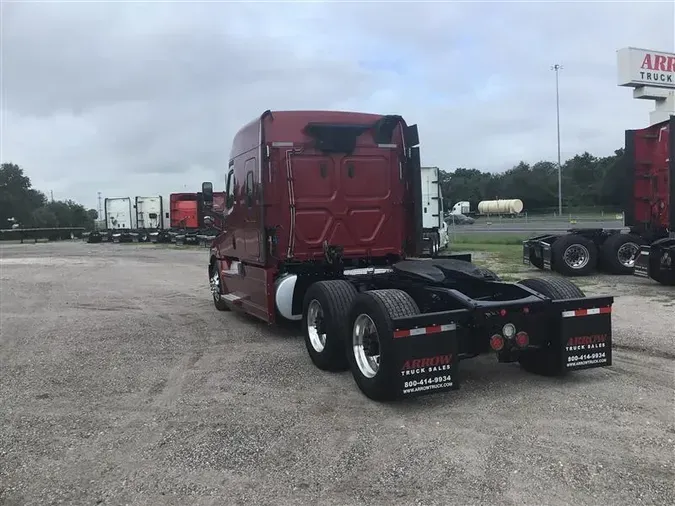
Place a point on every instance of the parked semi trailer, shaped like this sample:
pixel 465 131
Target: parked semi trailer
pixel 324 225
pixel 649 242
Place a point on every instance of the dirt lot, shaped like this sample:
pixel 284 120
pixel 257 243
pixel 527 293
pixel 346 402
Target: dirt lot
pixel 120 384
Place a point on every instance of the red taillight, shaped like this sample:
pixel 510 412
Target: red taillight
pixel 526 310
pixel 497 342
pixel 502 312
pixel 522 339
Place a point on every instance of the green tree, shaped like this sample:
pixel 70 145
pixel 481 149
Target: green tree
pixel 42 217
pixel 20 203
pixel 17 199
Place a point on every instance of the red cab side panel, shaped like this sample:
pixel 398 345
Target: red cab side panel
pixel 653 163
pixel 242 236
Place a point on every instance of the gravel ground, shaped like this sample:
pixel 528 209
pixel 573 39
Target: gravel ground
pixel 121 384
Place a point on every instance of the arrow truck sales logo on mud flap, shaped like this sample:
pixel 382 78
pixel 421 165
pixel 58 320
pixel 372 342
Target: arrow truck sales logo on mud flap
pixel 432 374
pixel 426 365
pixel 586 351
pixel 592 342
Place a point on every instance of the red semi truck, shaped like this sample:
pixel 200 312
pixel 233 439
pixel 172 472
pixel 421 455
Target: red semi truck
pixel 648 249
pixel 186 223
pixel 322 225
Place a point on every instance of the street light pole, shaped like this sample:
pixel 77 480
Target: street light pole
pixel 557 69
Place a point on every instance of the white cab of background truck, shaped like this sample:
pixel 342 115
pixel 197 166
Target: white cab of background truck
pixel 463 207
pixel 435 229
pixel 119 214
pixel 150 213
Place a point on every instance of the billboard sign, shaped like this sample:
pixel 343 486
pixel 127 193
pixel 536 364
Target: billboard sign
pixel 646 67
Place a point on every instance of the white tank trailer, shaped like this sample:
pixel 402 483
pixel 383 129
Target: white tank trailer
pixel 505 206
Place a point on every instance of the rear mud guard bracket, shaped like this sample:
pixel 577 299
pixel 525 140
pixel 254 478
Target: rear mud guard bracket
pixel 538 249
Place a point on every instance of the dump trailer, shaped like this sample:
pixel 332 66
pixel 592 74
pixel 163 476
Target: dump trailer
pixel 323 225
pixel 434 227
pixel 649 210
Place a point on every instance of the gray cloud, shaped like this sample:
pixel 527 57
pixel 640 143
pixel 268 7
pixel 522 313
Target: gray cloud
pixel 144 98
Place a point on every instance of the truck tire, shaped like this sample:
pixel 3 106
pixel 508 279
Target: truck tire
pixel 371 336
pixel 548 362
pixel 619 252
pixel 656 257
pixel 574 255
pixel 325 320
pixel 216 289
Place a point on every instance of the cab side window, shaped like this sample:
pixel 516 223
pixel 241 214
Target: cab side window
pixel 230 187
pixel 249 188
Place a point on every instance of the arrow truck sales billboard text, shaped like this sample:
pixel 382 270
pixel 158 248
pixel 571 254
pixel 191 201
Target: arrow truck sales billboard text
pixel 645 67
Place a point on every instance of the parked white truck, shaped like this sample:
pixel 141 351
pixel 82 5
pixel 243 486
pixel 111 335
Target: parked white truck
pixel 119 214
pixel 462 207
pixel 129 219
pixel 434 227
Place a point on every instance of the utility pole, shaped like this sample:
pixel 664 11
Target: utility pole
pixel 557 68
pixel 51 194
pixel 100 207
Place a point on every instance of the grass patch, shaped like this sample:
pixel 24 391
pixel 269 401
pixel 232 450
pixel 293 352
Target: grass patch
pixel 489 238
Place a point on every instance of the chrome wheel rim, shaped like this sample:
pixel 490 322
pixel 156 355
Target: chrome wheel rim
pixel 366 344
pixel 627 254
pixel 315 320
pixel 577 256
pixel 215 285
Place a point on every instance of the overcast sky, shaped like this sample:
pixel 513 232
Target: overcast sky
pixel 144 98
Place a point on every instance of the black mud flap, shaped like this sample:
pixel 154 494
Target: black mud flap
pixel 642 263
pixel 586 334
pixel 526 253
pixel 546 255
pixel 537 249
pixel 426 357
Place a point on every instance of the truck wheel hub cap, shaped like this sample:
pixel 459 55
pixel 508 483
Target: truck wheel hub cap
pixel 215 285
pixel 577 256
pixel 317 336
pixel 366 344
pixel 627 254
